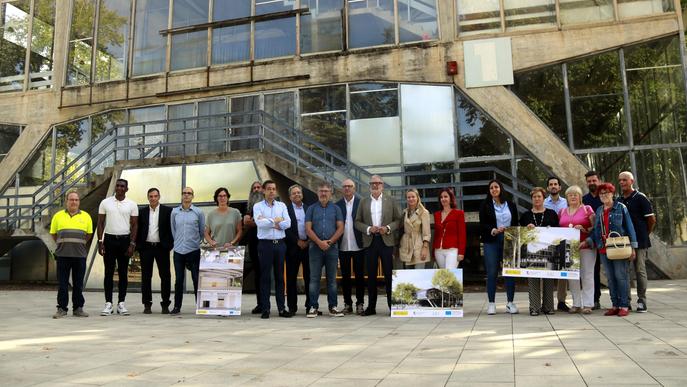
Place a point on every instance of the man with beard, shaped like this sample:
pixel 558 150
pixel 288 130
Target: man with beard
pixel 251 232
pixel 557 203
pixel 592 199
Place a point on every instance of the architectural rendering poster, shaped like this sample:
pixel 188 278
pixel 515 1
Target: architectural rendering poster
pixel 427 293
pixel 220 282
pixel 541 252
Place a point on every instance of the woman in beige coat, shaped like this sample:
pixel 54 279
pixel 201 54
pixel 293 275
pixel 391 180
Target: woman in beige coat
pixel 414 246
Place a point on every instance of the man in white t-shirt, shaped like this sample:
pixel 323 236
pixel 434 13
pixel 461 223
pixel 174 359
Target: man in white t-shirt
pixel 118 221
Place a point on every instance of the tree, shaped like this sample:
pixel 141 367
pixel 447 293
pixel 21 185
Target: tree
pixel 445 280
pixel 405 293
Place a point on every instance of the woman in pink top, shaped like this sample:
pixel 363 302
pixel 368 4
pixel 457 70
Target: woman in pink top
pixel 581 217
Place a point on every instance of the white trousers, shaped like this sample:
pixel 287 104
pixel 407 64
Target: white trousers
pixel 584 297
pixel 446 258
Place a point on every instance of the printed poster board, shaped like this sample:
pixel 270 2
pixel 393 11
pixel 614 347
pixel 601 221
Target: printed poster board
pixel 541 252
pixel 220 282
pixel 427 293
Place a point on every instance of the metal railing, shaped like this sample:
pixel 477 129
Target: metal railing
pixel 211 134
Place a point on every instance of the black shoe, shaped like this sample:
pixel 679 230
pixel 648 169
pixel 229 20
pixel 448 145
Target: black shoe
pixel 293 311
pixel 563 307
pixel 256 310
pixel 546 311
pixel 146 309
pixel 534 312
pixel 641 307
pixel 369 312
pixel 175 311
pixel 284 313
pixel 165 309
pixel 347 309
pixel 597 305
pixel 265 315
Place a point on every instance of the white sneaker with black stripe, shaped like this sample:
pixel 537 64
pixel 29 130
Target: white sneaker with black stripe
pixel 121 309
pixel 107 311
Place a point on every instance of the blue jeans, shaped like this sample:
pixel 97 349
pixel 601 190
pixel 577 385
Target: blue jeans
pixel 329 258
pixel 618 280
pixel 190 261
pixel 77 268
pixel 493 256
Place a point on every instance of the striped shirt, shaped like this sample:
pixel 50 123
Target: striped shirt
pixel 72 233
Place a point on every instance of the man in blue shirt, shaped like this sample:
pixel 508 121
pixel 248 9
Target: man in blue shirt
pixel 643 220
pixel 188 226
pixel 271 218
pixel 594 201
pixel 557 203
pixel 324 224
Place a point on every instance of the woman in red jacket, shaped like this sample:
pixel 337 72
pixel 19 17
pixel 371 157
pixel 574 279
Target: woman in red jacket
pixel 449 232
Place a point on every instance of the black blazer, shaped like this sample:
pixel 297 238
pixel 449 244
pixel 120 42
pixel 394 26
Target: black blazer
pixel 358 235
pixel 487 219
pixel 164 225
pixel 292 232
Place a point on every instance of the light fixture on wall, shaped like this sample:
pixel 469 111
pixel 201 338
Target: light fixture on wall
pixel 452 67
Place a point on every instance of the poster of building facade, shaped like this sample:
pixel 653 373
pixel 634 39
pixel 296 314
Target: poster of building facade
pixel 427 293
pixel 220 282
pixel 541 252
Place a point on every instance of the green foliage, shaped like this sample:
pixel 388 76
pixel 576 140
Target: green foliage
pixel 446 281
pixel 405 293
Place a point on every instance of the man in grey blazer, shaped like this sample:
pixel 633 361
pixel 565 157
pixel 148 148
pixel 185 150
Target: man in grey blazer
pixel 378 217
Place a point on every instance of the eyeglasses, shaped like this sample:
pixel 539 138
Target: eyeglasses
pixel 376 182
pixel 605 193
pixel 187 193
pixel 348 186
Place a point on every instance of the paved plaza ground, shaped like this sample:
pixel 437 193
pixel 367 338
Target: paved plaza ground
pixel 502 350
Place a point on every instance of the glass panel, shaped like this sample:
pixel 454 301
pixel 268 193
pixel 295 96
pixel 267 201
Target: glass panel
pixel 149 45
pixel 189 50
pixel 432 178
pixel 275 38
pixel 41 74
pixel 8 135
pixel 241 124
pixel 72 139
pixel 283 107
pixel 323 99
pixel 372 104
pixel 478 16
pixel 366 136
pixel 661 176
pixel 479 136
pixel 214 138
pixel 189 12
pixel 101 125
pixel 205 178
pixel 371 23
pixel 528 14
pixel 113 38
pixel 166 179
pixel 608 164
pixel 328 129
pixel 428 131
pixel 582 11
pixel 417 20
pixel 144 115
pixel 474 184
pixel 532 173
pixel 177 129
pixel 657 92
pixel 231 44
pixel 634 8
pixel 14 27
pixel 596 101
pixel 38 170
pixel 81 43
pixel 322 29
pixel 542 91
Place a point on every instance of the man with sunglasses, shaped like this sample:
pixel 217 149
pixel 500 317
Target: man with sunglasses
pixel 188 226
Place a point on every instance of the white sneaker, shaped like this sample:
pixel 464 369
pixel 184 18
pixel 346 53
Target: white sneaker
pixel 511 308
pixel 107 311
pixel 121 309
pixel 491 309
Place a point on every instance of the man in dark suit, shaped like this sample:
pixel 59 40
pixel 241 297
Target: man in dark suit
pixel 154 242
pixel 350 251
pixel 296 249
pixel 378 218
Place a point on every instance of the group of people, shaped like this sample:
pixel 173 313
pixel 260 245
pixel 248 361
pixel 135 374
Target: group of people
pixel 356 234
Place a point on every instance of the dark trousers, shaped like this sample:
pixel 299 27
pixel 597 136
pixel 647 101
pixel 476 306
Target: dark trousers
pixel 255 260
pixel 77 268
pixel 295 257
pixel 358 259
pixel 597 278
pixel 150 254
pixel 116 247
pixel 378 249
pixel 271 255
pixel 190 261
